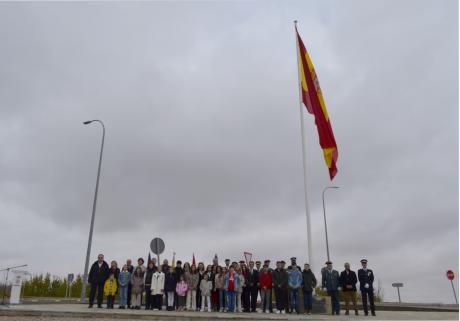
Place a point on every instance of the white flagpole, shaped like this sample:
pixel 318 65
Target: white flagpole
pixel 304 157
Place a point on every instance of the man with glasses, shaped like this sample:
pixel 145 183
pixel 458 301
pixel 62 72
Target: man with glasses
pixel 98 273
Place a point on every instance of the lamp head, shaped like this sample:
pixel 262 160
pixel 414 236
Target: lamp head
pixel 87 122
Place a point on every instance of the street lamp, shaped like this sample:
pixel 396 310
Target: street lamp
pixel 88 250
pixel 325 224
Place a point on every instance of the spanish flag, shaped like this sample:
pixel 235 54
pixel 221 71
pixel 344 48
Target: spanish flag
pixel 313 100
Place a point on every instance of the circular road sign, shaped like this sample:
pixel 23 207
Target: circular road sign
pixel 450 275
pixel 157 246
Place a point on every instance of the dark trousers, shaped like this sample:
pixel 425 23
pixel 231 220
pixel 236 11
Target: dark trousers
pixel 253 292
pixel 166 298
pixel 334 301
pixel 110 301
pixel 99 287
pixel 148 297
pixel 129 295
pixel 364 295
pixel 270 304
pixel 198 298
pixel 307 300
pixel 280 299
pixel 245 297
pixel 157 301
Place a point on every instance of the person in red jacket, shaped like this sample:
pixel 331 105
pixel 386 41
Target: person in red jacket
pixel 265 288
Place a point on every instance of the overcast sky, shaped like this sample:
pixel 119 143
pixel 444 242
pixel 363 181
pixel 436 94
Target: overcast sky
pixel 200 103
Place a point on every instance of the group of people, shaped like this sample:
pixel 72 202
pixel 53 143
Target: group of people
pixel 234 287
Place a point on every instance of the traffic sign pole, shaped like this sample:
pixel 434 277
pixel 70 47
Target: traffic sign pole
pixel 399 295
pixel 453 289
pixel 451 276
pixel 158 253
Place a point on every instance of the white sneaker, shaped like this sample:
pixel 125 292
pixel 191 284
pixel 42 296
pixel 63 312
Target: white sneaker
pixel 282 312
pixel 267 311
pixel 278 311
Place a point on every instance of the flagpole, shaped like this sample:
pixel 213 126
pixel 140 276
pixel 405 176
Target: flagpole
pixel 304 157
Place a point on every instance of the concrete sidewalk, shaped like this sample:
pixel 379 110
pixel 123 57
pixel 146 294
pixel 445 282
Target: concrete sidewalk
pixel 66 311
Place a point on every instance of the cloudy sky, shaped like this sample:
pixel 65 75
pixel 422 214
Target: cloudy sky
pixel 200 102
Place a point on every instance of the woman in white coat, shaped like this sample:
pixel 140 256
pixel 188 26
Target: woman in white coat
pixel 157 287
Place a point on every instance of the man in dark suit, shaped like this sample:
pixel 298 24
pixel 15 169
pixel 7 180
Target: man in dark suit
pixel 98 273
pixel 130 270
pixel 348 282
pixel 252 283
pixel 366 278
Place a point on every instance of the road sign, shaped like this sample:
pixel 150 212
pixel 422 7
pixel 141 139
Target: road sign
pixel 157 246
pixel 397 286
pixel 450 275
pixel 70 277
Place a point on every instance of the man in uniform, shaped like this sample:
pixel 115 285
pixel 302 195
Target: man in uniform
pixel 294 264
pixel 366 278
pixel 330 284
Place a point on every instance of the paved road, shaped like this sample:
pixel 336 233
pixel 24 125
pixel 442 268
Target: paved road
pixel 79 312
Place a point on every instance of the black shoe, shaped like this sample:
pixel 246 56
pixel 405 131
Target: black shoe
pixel 373 314
pixel 99 306
pixel 366 314
pixel 356 312
pixel 90 306
pixel 347 313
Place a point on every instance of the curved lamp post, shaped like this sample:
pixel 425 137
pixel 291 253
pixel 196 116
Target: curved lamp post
pixel 325 224
pixel 88 250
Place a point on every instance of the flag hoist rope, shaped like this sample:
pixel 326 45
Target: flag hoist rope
pixel 304 155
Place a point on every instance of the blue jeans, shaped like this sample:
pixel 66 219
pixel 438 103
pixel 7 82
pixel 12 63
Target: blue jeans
pixel 307 299
pixel 294 299
pixel 221 294
pixel 334 301
pixel 123 292
pixel 231 296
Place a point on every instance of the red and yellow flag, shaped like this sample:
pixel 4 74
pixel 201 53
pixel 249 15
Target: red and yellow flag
pixel 313 100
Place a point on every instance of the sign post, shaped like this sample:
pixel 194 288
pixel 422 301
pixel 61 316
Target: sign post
pixel 68 290
pixel 157 246
pixel 451 276
pixel 397 286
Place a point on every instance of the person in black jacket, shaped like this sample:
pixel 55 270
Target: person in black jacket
pixel 252 283
pixel 348 282
pixel 178 271
pixel 280 283
pixel 130 270
pixel 151 268
pixel 170 288
pixel 366 278
pixel 98 273
pixel 308 285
